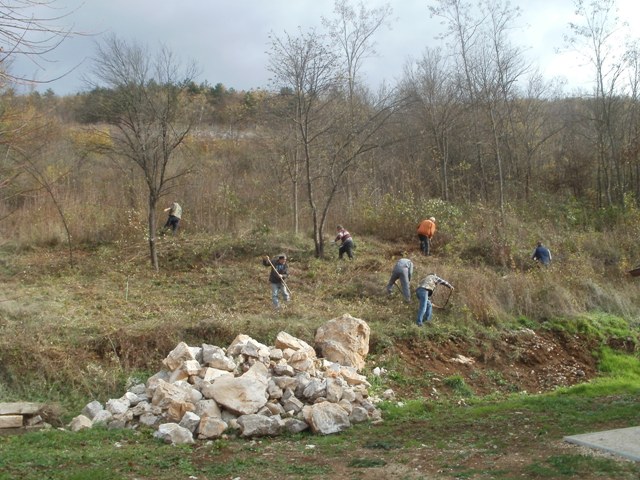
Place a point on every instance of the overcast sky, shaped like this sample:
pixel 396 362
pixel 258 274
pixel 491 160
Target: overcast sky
pixel 228 39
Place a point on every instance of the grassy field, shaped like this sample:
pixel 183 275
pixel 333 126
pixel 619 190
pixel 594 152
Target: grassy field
pixel 71 335
pixel 518 437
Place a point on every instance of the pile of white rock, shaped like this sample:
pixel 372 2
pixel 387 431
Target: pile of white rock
pixel 250 389
pixel 21 415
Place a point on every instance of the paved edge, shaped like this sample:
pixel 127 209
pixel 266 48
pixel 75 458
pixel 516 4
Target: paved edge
pixel 577 440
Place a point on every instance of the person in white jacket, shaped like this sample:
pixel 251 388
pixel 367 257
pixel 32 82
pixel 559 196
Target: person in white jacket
pixel 175 214
pixel 424 290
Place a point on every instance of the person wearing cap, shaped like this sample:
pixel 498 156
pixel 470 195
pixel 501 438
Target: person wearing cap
pixel 426 230
pixel 542 255
pixel 175 214
pixel 403 270
pixel 279 272
pixel 347 242
pixel 424 290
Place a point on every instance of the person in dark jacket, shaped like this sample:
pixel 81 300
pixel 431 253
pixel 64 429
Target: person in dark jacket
pixel 279 272
pixel 424 290
pixel 347 242
pixel 542 255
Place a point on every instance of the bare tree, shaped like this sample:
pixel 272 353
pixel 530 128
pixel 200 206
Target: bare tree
pixel 285 147
pixel 537 125
pixel 436 103
pixel 490 68
pixel 27 35
pixel 29 29
pixel 145 110
pixel 463 29
pixel 596 35
pixel 351 33
pixel 332 133
pixel 307 68
pixel 632 145
pixel 30 143
pixel 46 181
pixel 503 66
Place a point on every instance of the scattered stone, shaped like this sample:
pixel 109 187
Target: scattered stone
pixel 190 421
pixel 178 356
pixel 254 425
pixel 462 360
pixel 358 415
pixel 389 394
pixel 148 419
pixel 79 423
pixel 103 416
pixel 251 388
pixel 11 421
pixel 211 427
pixel 21 414
pixel 118 406
pixel 174 433
pixel 326 418
pixel 20 408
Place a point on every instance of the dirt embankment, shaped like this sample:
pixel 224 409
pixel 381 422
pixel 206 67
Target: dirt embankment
pixel 520 361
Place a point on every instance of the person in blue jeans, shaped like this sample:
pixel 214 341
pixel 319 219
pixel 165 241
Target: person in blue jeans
pixel 403 270
pixel 279 272
pixel 424 290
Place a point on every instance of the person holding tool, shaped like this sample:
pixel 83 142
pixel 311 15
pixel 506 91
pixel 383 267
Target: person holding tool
pixel 279 272
pixel 175 214
pixel 347 244
pixel 403 270
pixel 424 291
pixel 426 230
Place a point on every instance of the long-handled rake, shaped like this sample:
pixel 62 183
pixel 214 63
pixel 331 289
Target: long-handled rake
pixel 446 300
pixel 281 278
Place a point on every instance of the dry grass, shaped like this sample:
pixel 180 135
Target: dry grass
pixel 86 328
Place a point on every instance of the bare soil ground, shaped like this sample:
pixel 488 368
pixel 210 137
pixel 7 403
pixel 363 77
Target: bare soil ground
pixel 522 361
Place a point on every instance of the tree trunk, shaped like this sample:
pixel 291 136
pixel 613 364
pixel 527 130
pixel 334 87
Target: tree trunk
pixel 152 233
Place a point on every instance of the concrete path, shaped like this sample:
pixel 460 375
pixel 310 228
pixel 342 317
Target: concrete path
pixel 622 441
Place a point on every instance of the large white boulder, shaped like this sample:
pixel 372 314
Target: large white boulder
pixel 344 340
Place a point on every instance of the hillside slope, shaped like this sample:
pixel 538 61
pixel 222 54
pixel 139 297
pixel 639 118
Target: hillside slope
pixel 71 334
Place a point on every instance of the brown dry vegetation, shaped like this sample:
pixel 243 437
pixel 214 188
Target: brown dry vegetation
pixel 72 334
pixel 81 311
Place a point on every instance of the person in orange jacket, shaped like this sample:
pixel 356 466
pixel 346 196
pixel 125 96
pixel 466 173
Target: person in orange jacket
pixel 426 230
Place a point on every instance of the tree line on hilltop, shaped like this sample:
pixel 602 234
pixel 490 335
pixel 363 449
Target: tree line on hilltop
pixel 471 121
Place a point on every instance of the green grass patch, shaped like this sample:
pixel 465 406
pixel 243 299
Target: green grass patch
pixel 596 325
pixel 366 463
pixel 575 466
pixel 458 385
pixel 616 365
pixel 410 409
